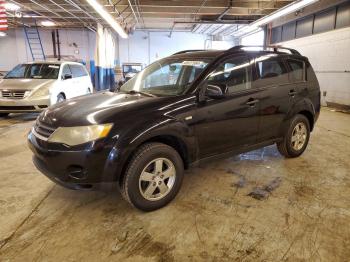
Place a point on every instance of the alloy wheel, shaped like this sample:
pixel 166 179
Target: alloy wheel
pixel 299 136
pixel 157 179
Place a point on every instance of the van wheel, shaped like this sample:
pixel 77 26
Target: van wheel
pixel 4 114
pixel 60 98
pixel 297 137
pixel 153 177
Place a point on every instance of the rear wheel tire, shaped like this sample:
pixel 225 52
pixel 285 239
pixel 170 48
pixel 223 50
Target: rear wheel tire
pixel 60 98
pixel 4 114
pixel 296 138
pixel 153 177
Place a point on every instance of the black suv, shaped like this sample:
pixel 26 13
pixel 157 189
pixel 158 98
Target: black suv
pixel 181 110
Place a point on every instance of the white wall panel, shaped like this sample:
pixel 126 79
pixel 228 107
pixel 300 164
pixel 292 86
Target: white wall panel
pixel 147 47
pixel 14 48
pixel 162 46
pixel 329 54
pixel 256 39
pixel 140 47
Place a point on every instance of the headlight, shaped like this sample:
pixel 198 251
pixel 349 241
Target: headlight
pixel 79 134
pixel 43 91
pixel 26 93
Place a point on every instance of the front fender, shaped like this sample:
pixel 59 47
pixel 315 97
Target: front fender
pixel 127 143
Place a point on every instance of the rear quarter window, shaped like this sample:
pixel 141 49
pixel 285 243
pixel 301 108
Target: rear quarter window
pixel 297 70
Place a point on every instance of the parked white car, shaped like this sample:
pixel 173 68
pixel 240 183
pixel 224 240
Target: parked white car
pixel 2 74
pixel 34 86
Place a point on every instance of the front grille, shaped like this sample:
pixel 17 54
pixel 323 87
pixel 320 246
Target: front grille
pixel 13 94
pixel 43 129
pixel 24 108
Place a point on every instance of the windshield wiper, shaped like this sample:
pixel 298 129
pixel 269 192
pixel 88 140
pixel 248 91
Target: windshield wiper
pixel 134 92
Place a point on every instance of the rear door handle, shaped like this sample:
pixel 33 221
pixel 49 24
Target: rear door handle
pixel 252 102
pixel 292 93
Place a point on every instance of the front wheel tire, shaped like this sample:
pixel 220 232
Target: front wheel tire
pixel 296 138
pixel 4 114
pixel 153 177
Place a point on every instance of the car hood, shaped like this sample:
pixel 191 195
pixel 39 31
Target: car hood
pixel 24 84
pixel 101 107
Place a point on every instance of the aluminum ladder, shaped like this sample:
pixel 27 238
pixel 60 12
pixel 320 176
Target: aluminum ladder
pixel 34 42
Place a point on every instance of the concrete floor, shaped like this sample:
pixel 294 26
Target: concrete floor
pixel 304 213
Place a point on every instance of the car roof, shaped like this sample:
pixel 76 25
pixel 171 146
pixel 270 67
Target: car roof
pixel 52 62
pixel 281 51
pixel 198 54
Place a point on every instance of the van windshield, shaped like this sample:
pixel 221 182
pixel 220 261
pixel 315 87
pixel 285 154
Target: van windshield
pixel 166 77
pixel 36 71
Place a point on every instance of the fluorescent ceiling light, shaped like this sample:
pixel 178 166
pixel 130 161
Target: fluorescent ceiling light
pixel 11 7
pixel 283 11
pixel 107 16
pixel 47 23
pixel 2 34
pixel 296 5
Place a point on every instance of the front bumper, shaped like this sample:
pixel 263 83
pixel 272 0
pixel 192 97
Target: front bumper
pixel 85 168
pixel 23 105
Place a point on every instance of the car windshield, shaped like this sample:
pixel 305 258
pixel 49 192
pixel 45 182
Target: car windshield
pixel 166 77
pixel 37 71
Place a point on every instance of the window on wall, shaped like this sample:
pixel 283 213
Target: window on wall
pixel 297 72
pixel 323 21
pixel 304 27
pixel 276 34
pixel 288 31
pixel 343 15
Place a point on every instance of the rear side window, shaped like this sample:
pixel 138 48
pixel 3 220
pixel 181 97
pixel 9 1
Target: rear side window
pixel 78 70
pixel 233 75
pixel 271 70
pixel 297 70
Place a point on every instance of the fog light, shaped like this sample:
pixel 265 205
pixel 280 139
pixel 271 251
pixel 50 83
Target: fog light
pixel 76 172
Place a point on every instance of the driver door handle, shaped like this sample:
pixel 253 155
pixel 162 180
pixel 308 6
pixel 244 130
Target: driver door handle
pixel 252 101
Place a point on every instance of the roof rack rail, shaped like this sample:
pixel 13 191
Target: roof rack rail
pixel 188 51
pixel 274 48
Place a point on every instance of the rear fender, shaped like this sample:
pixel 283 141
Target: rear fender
pixel 303 105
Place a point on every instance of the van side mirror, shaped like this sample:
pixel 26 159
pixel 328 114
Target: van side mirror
pixel 214 92
pixel 67 76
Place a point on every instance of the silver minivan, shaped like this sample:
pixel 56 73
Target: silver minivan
pixel 31 87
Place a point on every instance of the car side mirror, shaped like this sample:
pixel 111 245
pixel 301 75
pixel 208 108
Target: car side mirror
pixel 67 76
pixel 214 92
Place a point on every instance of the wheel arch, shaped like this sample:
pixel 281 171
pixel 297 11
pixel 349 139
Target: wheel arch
pixel 309 116
pixel 168 139
pixel 303 107
pixel 62 93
